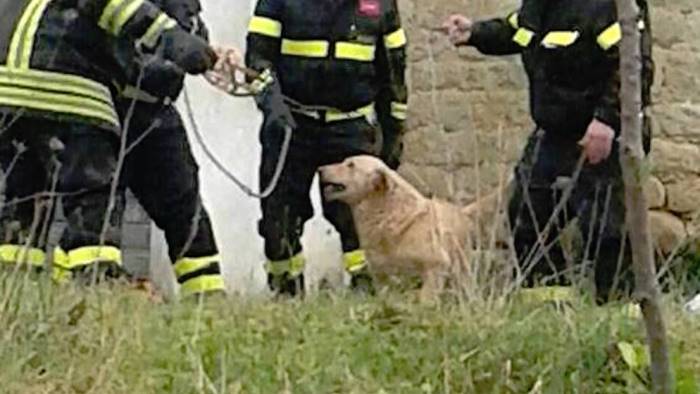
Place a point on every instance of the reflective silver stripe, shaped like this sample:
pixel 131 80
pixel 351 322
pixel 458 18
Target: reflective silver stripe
pixel 336 115
pixel 130 92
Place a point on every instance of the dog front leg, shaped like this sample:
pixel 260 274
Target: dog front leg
pixel 433 284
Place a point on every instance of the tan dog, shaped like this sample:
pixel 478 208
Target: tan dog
pixel 402 231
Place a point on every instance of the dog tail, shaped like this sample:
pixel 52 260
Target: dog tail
pixel 490 205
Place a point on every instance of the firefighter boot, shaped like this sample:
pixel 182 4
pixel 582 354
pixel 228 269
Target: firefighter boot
pixel 286 277
pixel 200 276
pixel 355 263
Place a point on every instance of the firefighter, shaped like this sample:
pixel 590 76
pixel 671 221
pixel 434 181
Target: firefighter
pixel 160 169
pixel 570 53
pixel 333 71
pixel 60 126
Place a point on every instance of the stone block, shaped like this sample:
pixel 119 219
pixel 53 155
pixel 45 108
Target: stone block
pixel 429 180
pixel 683 195
pixel 667 231
pixel 672 161
pixel 679 78
pixel 655 193
pixel 680 122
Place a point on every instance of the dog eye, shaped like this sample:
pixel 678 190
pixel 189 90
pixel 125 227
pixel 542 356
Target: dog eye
pixel 351 164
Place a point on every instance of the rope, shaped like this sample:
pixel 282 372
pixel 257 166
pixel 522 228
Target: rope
pixel 267 191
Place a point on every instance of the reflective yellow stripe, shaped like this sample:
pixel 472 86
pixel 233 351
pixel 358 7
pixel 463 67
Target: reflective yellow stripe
pixel 87 255
pixel 124 16
pixel 71 94
pixel 32 27
pixel 352 51
pixel 202 284
pixel 311 48
pixel 163 22
pixel 23 37
pixel 335 116
pixel 399 110
pixel 632 310
pixel 59 274
pixel 265 26
pixel 523 37
pixel 610 36
pixel 293 266
pixel 560 38
pixel 108 13
pixel 55 102
pixel 117 13
pixel 547 293
pixel 354 261
pixel 20 254
pixel 513 20
pixel 396 39
pixel 56 81
pixel 188 265
pixel 18 36
pixel 60 257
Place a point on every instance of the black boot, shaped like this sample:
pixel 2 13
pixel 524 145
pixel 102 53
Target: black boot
pixel 99 272
pixel 285 285
pixel 361 282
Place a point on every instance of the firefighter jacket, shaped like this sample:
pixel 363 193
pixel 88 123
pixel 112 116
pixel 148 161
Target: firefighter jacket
pixel 571 57
pixel 56 58
pixel 156 80
pixel 343 54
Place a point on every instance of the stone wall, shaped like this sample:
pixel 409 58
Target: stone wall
pixel 469 119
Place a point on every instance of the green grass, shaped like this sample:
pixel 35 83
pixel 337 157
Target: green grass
pixel 113 340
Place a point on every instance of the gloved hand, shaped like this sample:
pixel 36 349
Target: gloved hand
pixel 271 102
pixel 191 53
pixel 162 78
pixel 392 149
pixel 458 29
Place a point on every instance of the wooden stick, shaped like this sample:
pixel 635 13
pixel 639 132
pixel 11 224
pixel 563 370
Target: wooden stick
pixel 632 158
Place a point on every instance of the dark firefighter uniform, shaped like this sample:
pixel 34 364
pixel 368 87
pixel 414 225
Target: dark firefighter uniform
pixel 59 121
pixel 343 64
pixel 570 53
pixel 160 169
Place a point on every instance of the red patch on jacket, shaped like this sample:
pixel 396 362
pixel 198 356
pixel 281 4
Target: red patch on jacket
pixel 369 8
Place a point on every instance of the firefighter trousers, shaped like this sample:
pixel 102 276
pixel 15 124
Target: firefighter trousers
pixel 43 159
pixel 542 176
pixel 314 143
pixel 162 173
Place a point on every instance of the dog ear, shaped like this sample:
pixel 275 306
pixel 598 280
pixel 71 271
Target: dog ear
pixel 380 180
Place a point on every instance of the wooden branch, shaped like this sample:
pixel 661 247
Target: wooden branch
pixel 631 158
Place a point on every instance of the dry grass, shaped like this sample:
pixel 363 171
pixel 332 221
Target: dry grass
pixel 114 340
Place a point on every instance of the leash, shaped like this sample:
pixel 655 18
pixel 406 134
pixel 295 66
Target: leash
pixel 284 151
pixel 241 88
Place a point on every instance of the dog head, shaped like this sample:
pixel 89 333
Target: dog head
pixel 355 179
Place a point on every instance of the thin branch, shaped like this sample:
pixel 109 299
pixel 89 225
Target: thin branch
pixel 632 160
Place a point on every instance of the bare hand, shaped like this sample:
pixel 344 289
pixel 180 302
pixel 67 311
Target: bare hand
pixel 223 75
pixel 458 29
pixel 598 141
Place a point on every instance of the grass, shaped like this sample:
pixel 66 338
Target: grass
pixel 114 340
